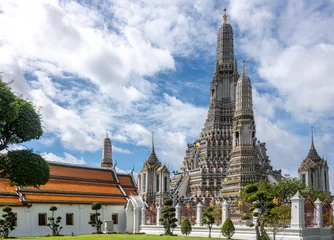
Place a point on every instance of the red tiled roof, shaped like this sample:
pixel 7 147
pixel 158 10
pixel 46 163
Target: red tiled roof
pixel 5 186
pixel 4 200
pixel 130 192
pixel 125 180
pixel 77 186
pixel 32 197
pixel 81 172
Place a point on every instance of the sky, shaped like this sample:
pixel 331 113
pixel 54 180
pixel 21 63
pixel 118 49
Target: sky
pixel 134 67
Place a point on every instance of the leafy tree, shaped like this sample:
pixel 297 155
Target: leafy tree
pixel 7 224
pixel 208 219
pixel 228 228
pixel 278 219
pixel 217 214
pixel 20 122
pixel 168 217
pixel 186 227
pixel 262 201
pixel 54 224
pixel 95 217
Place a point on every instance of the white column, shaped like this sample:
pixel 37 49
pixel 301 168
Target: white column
pixel 199 215
pixel 143 215
pixel 318 213
pixel 178 214
pixel 136 220
pixel 297 211
pixel 225 211
pixel 159 210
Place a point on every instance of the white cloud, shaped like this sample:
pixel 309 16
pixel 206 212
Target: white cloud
pixel 68 158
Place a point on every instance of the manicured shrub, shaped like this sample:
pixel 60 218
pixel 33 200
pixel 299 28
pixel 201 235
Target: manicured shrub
pixel 228 228
pixel 186 227
pixel 245 217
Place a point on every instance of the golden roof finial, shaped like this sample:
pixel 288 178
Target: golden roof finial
pixel 243 70
pixel 225 16
pixel 107 134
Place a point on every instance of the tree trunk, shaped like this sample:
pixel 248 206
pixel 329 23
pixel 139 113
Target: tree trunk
pixel 257 229
pixel 209 232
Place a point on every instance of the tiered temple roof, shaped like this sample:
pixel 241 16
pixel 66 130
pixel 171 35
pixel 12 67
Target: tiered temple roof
pixel 72 184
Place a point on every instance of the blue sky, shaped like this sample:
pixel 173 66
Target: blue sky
pixel 134 67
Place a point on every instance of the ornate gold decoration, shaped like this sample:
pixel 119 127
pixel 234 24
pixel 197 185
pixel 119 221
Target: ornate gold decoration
pixel 243 70
pixel 225 16
pixel 188 205
pixel 107 134
pixel 197 145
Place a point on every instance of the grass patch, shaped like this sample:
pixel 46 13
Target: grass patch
pixel 115 237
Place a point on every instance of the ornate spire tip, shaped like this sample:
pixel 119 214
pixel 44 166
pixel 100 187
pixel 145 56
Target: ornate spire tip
pixel 225 16
pixel 107 134
pixel 243 70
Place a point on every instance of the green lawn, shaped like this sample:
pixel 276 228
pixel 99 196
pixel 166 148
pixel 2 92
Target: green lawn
pixel 116 237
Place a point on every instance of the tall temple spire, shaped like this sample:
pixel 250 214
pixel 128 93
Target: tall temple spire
pixel 313 154
pixel 243 70
pixel 152 159
pixel 107 152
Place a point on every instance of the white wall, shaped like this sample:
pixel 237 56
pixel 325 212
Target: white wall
pixel 27 219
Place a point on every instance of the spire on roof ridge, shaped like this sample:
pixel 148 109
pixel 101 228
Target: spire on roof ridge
pixel 152 141
pixel 312 142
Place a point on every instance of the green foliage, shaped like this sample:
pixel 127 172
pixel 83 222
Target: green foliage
pixel 208 219
pixel 20 122
pixel 277 219
pixel 186 227
pixel 53 223
pixel 7 223
pixel 26 168
pixel 245 217
pixel 168 217
pixel 96 206
pixel 228 228
pixel 95 220
pixel 217 214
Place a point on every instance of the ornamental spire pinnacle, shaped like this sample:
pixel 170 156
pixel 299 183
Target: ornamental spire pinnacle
pixel 152 141
pixel 312 142
pixel 243 70
pixel 225 16
pixel 107 133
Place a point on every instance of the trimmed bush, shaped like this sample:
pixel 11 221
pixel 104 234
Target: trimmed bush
pixel 245 217
pixel 228 228
pixel 186 227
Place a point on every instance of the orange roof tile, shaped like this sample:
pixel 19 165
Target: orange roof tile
pixel 9 200
pixel 130 192
pixel 76 186
pixel 125 180
pixel 80 172
pixel 5 186
pixel 64 198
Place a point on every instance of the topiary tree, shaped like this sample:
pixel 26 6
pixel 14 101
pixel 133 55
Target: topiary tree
pixel 95 220
pixel 228 228
pixel 168 217
pixel 7 224
pixel 20 122
pixel 54 223
pixel 186 227
pixel 208 219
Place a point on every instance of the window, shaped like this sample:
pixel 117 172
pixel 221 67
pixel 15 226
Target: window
pixel 144 182
pixel 42 219
pixel 325 180
pixel 165 184
pixel 69 219
pixel 303 178
pixel 158 183
pixel 115 218
pixel 312 178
